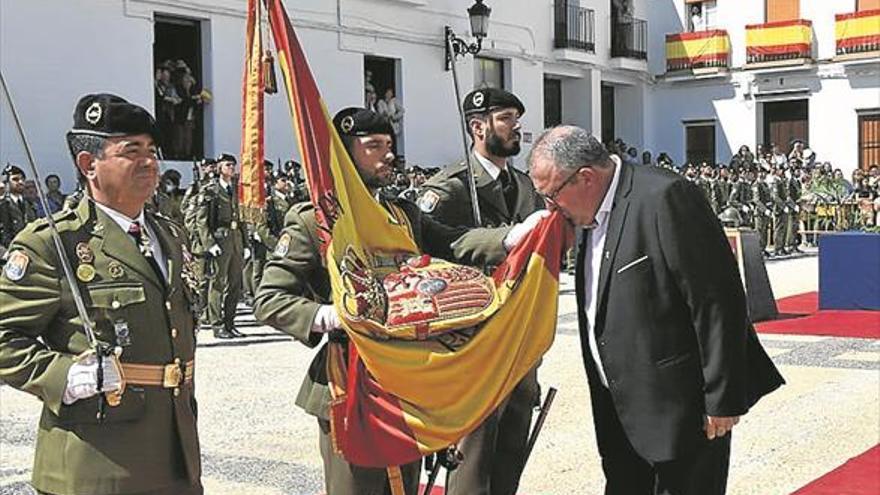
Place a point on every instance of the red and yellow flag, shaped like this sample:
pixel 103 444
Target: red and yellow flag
pixel 434 347
pixel 251 187
pixel 857 32
pixel 697 50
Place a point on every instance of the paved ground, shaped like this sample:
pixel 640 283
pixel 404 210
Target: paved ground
pixel 256 442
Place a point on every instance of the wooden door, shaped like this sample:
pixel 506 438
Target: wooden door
pixel 785 121
pixel 868 5
pixel 700 144
pixel 869 140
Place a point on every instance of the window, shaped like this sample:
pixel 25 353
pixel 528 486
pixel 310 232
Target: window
pixel 179 89
pixel 783 10
pixel 869 140
pixel 700 143
pixel 488 73
pixel 701 14
pixel 552 102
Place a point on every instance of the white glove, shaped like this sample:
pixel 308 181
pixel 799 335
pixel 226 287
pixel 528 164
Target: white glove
pixel 786 210
pixel 746 209
pixel 522 229
pixel 247 253
pixel 256 236
pixel 326 319
pixel 797 208
pixel 215 251
pixel 82 378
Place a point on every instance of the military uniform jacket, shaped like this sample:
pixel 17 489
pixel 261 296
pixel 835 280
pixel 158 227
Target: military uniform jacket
pixel 149 441
pixel 13 218
pixel 217 217
pixel 296 282
pixel 762 200
pixel 446 197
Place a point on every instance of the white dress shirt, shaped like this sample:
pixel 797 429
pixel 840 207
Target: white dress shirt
pixel 594 247
pixel 125 223
pixel 487 164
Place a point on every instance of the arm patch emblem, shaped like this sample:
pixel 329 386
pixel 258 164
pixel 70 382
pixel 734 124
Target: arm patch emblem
pixel 428 201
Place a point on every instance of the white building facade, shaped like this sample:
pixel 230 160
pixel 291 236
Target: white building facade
pixel 600 64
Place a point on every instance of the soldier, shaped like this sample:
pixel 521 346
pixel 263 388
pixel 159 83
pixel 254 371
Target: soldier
pixel 222 235
pixel 169 196
pixel 762 206
pixel 494 454
pixel 795 191
pixel 741 195
pixel 262 238
pixel 131 267
pixel 15 210
pixel 781 210
pixel 203 173
pixel 295 297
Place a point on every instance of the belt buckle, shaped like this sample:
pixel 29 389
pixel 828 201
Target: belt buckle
pixel 173 375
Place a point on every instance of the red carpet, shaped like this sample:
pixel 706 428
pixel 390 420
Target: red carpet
pixel 800 315
pixel 858 476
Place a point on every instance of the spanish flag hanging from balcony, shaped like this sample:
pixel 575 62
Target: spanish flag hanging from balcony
pixel 697 50
pixel 251 187
pixel 858 32
pixel 421 369
pixel 779 40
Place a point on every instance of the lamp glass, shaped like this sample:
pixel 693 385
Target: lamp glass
pixel 479 15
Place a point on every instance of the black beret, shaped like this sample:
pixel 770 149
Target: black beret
pixel 226 157
pixel 109 115
pixel 355 121
pixel 207 162
pixel 11 170
pixel 489 99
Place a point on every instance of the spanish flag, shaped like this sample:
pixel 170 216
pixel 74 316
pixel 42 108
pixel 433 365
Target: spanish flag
pixel 433 347
pixel 251 187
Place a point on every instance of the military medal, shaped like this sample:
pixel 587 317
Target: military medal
pixel 84 253
pixel 116 270
pixel 123 335
pixel 85 273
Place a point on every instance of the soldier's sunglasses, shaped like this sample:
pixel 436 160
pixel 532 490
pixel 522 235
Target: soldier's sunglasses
pixel 550 198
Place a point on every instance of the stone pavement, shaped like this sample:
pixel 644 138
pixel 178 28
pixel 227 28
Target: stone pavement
pixel 256 442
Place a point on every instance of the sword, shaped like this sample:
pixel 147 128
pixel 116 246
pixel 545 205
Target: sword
pixel 539 424
pixel 100 349
pixel 468 156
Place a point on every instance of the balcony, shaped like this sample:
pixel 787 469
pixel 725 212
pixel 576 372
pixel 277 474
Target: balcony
pixel 574 27
pixel 858 35
pixel 700 52
pixel 780 43
pixel 629 39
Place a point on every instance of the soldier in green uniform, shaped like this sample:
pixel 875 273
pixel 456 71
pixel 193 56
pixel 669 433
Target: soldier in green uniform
pixel 262 237
pixel 781 210
pixel 295 297
pixel 222 234
pixel 795 190
pixel 762 206
pixel 15 210
pixel 131 267
pixel 169 196
pixel 494 454
pixel 202 174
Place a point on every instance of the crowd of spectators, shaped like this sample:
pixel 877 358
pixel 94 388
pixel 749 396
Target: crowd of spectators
pixel 179 100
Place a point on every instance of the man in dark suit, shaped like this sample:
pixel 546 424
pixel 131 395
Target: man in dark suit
pixel 15 210
pixel 671 357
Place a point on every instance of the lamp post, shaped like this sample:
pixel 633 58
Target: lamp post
pixel 457 47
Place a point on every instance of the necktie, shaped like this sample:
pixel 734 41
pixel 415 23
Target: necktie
pixel 508 187
pixel 143 243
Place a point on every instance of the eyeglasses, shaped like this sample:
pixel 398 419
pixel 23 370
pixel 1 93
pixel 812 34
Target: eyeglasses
pixel 550 198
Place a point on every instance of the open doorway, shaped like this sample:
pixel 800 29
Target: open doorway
pixel 608 134
pixel 178 87
pixel 382 94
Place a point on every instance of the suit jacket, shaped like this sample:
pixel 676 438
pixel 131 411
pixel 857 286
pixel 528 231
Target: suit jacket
pixel 14 218
pixel 446 197
pixel 671 321
pixel 149 441
pixel 296 282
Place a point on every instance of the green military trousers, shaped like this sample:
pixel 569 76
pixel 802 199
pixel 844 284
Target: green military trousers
pixel 224 289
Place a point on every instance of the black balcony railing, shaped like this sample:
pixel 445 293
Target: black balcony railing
pixel 629 38
pixel 575 27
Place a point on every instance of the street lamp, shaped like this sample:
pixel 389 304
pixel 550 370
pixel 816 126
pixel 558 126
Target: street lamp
pixel 457 47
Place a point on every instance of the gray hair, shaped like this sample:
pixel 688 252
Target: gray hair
pixel 86 142
pixel 569 148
